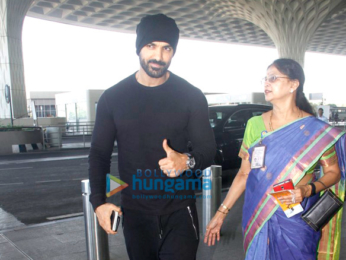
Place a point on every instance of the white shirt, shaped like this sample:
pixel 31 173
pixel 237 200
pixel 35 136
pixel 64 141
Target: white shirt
pixel 323 118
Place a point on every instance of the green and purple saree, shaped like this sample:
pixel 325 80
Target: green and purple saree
pixel 292 152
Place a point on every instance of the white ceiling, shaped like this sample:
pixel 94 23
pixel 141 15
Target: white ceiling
pixel 195 18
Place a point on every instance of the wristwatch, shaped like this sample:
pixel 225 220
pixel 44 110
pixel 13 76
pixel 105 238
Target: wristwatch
pixel 190 162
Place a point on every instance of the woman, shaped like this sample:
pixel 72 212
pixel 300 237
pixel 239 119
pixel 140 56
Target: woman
pixel 295 143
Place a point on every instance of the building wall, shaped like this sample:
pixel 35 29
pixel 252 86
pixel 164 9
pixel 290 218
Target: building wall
pixel 12 15
pixel 93 98
pixel 44 102
pixel 44 94
pixel 70 103
pixel 84 102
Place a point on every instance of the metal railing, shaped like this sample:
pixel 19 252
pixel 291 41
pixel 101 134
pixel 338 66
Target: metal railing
pixel 78 128
pixel 20 128
pixel 341 125
pixel 73 135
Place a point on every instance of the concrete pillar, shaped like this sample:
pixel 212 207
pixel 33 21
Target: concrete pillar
pixel 12 13
pixel 290 24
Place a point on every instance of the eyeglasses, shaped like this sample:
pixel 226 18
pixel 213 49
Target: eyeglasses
pixel 271 79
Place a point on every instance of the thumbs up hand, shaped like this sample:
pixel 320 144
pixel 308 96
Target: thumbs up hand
pixel 174 164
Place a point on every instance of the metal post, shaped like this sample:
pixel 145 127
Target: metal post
pixel 96 237
pixel 9 100
pixel 11 113
pixel 83 137
pixel 60 137
pixel 77 124
pixel 211 197
pixel 43 137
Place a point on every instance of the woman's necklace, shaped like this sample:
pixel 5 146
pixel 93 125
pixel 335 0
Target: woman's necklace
pixel 300 115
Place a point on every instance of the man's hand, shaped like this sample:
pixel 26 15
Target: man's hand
pixel 104 213
pixel 175 163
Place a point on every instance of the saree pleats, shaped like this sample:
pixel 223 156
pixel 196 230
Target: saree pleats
pixel 329 245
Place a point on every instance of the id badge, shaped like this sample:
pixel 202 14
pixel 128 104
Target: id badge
pixel 258 155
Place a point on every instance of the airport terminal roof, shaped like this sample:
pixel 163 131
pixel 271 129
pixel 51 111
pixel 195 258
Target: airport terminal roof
pixel 197 19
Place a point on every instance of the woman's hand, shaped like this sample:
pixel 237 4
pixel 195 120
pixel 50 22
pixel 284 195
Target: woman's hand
pixel 297 195
pixel 213 229
pixel 237 188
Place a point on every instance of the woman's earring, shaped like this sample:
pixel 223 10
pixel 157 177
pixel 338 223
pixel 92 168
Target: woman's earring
pixel 291 91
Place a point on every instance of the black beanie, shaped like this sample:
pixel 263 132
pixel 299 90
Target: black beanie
pixel 157 28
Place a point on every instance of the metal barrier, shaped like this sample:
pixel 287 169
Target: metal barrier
pixel 96 237
pixel 68 136
pixel 212 197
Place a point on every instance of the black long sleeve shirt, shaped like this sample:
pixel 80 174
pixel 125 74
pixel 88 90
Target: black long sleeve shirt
pixel 140 118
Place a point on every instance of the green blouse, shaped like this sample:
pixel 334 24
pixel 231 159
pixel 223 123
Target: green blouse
pixel 255 126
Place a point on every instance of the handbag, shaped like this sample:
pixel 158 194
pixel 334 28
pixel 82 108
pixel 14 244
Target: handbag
pixel 323 210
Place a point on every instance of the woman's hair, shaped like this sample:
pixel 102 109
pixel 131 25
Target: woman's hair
pixel 294 71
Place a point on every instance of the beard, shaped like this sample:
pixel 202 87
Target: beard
pixel 154 72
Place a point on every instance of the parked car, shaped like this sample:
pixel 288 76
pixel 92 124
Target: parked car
pixel 228 123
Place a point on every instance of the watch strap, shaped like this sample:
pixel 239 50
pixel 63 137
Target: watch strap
pixel 190 162
pixel 313 189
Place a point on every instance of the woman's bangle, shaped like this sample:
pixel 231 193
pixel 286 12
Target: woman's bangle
pixel 222 212
pixel 325 187
pixel 225 207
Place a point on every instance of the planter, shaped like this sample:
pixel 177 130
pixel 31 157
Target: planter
pixel 23 140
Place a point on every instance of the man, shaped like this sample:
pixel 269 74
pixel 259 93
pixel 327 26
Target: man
pixel 156 118
pixel 320 115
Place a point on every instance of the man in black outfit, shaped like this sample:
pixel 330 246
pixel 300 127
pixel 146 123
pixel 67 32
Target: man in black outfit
pixel 155 116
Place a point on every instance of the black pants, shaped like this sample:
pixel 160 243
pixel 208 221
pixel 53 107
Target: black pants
pixel 173 236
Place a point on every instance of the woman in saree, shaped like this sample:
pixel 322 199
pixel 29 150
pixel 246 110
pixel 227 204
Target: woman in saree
pixel 296 142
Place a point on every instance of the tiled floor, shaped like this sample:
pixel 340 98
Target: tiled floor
pixel 65 240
